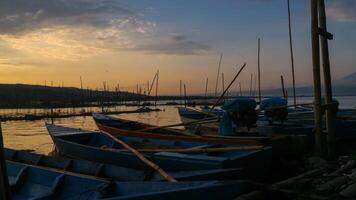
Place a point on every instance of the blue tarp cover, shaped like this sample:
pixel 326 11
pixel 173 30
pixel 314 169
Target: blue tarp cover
pixel 269 103
pixel 239 104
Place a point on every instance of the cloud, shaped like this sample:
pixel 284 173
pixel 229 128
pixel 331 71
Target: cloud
pixel 175 45
pixel 21 16
pixel 68 29
pixel 75 29
pixel 342 10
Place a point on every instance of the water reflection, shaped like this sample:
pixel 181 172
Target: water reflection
pixel 33 134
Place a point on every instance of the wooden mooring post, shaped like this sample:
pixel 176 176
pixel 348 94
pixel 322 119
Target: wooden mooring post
pixel 316 77
pixel 259 71
pixel 330 115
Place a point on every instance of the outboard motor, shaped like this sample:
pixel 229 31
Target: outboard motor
pixel 239 112
pixel 275 109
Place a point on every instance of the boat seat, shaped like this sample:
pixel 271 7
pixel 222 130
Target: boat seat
pixel 76 187
pixel 28 158
pixel 84 167
pixel 15 173
pixel 35 183
pixel 54 162
pixel 51 193
pixel 121 173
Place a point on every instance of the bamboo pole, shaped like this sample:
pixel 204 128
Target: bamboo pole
pixel 217 76
pixel 251 84
pixel 259 71
pixel 222 95
pixel 283 90
pixel 255 87
pixel 189 150
pixel 206 88
pixel 240 89
pixel 4 180
pixel 330 116
pixel 291 53
pixel 316 76
pixel 180 91
pixel 228 87
pixel 156 99
pixel 81 91
pixel 143 158
pixel 185 96
pixel 222 81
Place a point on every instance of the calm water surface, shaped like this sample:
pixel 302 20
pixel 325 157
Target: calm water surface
pixel 33 134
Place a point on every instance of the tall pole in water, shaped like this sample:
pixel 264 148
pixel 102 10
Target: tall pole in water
pixel 240 88
pixel 180 90
pixel 251 85
pixel 316 76
pixel 157 88
pixel 255 87
pixel 4 180
pixel 206 88
pixel 330 115
pixel 283 89
pixel 259 71
pixel 223 83
pixel 291 54
pixel 185 96
pixel 81 91
pixel 217 76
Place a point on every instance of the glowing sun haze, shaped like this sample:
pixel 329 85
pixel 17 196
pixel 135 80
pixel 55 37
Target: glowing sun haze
pixel 125 42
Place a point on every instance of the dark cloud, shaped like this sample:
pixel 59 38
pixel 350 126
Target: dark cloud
pixel 21 16
pixel 179 37
pixel 176 45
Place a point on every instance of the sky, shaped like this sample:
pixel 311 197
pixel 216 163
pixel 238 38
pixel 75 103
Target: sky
pixel 125 42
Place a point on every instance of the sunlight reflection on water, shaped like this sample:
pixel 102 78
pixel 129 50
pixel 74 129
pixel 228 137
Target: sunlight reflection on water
pixel 33 134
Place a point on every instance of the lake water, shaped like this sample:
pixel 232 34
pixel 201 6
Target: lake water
pixel 33 134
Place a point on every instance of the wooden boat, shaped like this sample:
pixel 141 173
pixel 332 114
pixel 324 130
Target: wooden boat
pixel 98 147
pixel 264 128
pixel 121 127
pixel 188 114
pixel 32 182
pixel 115 172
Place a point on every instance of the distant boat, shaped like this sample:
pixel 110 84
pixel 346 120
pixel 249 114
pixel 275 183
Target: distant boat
pixel 98 147
pixel 188 114
pixel 31 182
pixel 122 127
pixel 115 172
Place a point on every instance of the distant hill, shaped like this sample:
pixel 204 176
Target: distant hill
pixel 343 86
pixel 21 95
pixel 349 80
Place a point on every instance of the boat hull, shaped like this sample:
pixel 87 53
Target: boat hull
pixel 115 172
pixel 31 182
pixel 71 145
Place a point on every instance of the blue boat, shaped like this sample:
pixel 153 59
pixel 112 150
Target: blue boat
pixel 98 147
pixel 115 172
pixel 31 182
pixel 188 114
